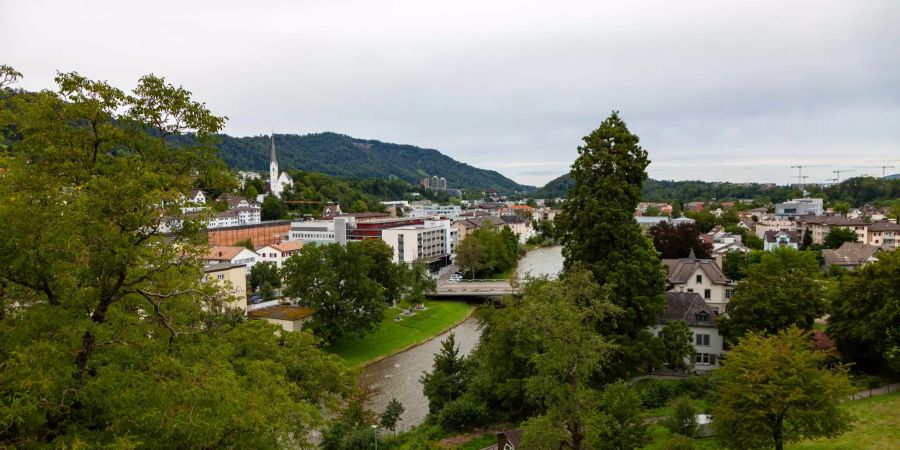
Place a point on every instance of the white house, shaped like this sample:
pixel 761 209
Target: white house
pixel 520 226
pixel 196 196
pixel 702 276
pixel 278 253
pixel 700 318
pixel 780 239
pixel 230 255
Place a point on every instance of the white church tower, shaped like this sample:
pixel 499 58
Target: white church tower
pixel 277 181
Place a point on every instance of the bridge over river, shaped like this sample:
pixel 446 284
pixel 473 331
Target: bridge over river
pixel 472 288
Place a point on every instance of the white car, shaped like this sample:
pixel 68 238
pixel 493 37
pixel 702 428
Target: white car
pixel 455 277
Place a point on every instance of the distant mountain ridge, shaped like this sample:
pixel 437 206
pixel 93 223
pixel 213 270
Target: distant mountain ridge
pixel 342 155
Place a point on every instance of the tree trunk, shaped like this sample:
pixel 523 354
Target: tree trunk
pixel 776 433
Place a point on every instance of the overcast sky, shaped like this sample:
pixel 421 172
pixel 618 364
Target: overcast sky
pixel 717 90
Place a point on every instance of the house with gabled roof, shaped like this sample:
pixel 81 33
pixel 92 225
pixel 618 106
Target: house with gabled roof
pixel 703 276
pixel 221 254
pixel 690 308
pixel 279 253
pixel 850 255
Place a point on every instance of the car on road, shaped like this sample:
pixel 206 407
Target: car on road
pixel 456 277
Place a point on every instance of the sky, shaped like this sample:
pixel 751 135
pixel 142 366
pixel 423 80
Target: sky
pixel 717 90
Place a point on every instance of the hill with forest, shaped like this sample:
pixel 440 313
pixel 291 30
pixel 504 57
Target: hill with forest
pixel 857 191
pixel 346 156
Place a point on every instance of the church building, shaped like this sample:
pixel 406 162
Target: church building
pixel 277 181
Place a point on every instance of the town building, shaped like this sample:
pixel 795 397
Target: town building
pixel 288 317
pixel 702 276
pixel 774 240
pixel 798 208
pixel 196 196
pixel 772 224
pixel 883 233
pixel 431 210
pixel 690 308
pixel 649 221
pixel 233 277
pixel 263 233
pixel 330 210
pixel 279 253
pixel 850 255
pixel 820 226
pixel 433 242
pixel 230 255
pixel 520 226
pixel 277 180
pixel 315 232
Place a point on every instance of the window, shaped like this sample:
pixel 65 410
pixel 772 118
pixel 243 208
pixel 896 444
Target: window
pixel 707 294
pixel 729 293
pixel 701 339
pixel 702 316
pixel 220 277
pixel 690 290
pixel 705 359
pixel 699 279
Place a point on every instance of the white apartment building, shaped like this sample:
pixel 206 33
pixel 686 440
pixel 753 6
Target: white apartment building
pixel 429 242
pixel 279 253
pixel 220 254
pixel 448 211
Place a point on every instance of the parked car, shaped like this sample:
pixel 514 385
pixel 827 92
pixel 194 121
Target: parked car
pixel 455 277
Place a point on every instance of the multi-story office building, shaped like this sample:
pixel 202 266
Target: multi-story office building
pixel 799 207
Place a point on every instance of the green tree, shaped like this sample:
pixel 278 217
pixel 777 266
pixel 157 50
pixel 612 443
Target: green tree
pixel 785 288
pixel 728 218
pixel 677 343
pixel 471 255
pixel 807 240
pixel 736 263
pixel 623 425
pixel 865 316
pixel 683 420
pixel 532 203
pixel 837 236
pixel 754 242
pixel 775 390
pixel 652 211
pixel 336 280
pixel 251 193
pixel 265 272
pixel 418 281
pixel 107 335
pixel 447 379
pixel 273 208
pixel 563 316
pixel 841 207
pixel 391 414
pixel 598 230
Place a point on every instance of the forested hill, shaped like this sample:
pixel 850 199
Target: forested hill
pixel 662 190
pixel 341 155
pixel 857 191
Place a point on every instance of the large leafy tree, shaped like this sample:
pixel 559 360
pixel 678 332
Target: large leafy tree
pixel 865 318
pixel 785 288
pixel 678 241
pixel 340 282
pixel 775 389
pixel 107 335
pixel 599 231
pixel 265 272
pixel 837 236
pixel 675 344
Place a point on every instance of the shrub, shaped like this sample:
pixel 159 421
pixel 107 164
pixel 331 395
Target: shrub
pixel 683 420
pixel 462 413
pixel 694 387
pixel 655 393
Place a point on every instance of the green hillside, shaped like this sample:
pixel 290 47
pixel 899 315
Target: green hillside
pixel 341 155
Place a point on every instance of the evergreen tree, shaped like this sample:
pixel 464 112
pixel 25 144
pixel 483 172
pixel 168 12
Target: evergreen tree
pixel 807 240
pixel 391 414
pixel 447 380
pixel 837 236
pixel 273 208
pixel 599 231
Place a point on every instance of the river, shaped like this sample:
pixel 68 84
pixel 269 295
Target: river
pixel 398 376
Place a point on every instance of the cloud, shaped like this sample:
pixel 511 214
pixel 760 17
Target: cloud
pixel 716 90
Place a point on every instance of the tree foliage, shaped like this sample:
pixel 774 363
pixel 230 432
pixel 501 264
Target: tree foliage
pixel 837 236
pixel 343 284
pixel 447 379
pixel 391 414
pixel 598 231
pixel 273 208
pixel 775 390
pixel 488 251
pixel 678 241
pixel 107 335
pixel 265 272
pixel 683 420
pixel 785 288
pixel 865 316
pixel 676 342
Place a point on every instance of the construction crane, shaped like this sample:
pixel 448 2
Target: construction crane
pixel 838 173
pixel 800 176
pixel 883 171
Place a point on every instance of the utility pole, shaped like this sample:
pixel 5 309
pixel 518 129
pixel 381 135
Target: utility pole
pixel 839 172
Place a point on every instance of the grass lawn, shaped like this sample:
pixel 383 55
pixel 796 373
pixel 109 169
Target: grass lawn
pixel 479 442
pixel 877 426
pixel 392 336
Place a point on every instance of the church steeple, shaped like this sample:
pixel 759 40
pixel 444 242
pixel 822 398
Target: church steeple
pixel 272 159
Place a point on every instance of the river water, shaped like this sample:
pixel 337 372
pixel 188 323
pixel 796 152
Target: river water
pixel 398 376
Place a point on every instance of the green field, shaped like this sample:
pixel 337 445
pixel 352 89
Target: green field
pixel 877 426
pixel 393 336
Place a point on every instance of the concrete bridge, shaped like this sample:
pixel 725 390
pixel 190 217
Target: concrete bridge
pixel 473 288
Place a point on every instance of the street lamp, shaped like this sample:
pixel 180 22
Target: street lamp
pixel 375 427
